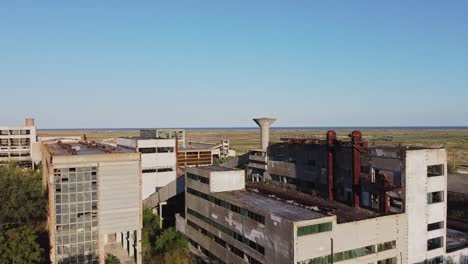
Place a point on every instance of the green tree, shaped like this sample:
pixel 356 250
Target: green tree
pixel 151 229
pixel 163 246
pixel 20 245
pixel 170 240
pixel 22 216
pixel 111 259
pixel 177 256
pixel 21 198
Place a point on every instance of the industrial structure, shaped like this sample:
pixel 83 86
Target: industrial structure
pixel 19 144
pixel 167 133
pixel 158 160
pixel 203 154
pixel 94 198
pixel 322 201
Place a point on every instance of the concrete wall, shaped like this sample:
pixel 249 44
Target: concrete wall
pixel 21 153
pixel 353 235
pixel 119 190
pixel 221 181
pixel 152 181
pixel 275 235
pixel 420 213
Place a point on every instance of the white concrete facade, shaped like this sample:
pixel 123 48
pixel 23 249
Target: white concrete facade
pixel 92 196
pixel 414 235
pixel 420 211
pixel 17 143
pixel 158 161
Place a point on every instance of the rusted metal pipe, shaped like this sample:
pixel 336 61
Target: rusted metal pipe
pixel 356 140
pixel 331 138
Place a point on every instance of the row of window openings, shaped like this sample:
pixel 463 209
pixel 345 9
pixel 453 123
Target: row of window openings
pixel 76 197
pixel 80 259
pixel 77 238
pixel 75 207
pixel 234 208
pixel 157 170
pixel 224 244
pixel 77 169
pixel 432 170
pixel 228 232
pixel 314 229
pixel 76 218
pixel 76 249
pixel 68 229
pixel 15 142
pixel 15 154
pixel 157 150
pixel 75 177
pixel 5 132
pixel 350 254
pixel 72 187
pixel 199 178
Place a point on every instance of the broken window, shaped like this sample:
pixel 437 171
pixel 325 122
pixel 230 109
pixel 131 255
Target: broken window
pixel 147 150
pixel 435 226
pixel 435 170
pixel 435 243
pixel 435 197
pixel 165 149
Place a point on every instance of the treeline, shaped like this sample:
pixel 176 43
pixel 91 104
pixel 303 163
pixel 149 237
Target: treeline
pixel 23 236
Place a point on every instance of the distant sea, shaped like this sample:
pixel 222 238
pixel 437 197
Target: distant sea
pixel 277 128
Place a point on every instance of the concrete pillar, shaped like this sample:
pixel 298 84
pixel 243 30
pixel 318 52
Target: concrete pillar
pixel 125 241
pixel 105 239
pixel 131 242
pixel 118 237
pixel 138 247
pixel 264 124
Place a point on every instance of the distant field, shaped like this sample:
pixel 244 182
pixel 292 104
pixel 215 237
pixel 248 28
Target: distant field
pixel 455 140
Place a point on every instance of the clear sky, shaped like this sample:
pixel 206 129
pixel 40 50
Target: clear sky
pixel 220 63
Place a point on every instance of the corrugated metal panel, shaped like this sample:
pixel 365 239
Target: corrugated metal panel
pixel 119 197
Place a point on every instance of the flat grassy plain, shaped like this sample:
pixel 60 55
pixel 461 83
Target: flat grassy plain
pixel 455 140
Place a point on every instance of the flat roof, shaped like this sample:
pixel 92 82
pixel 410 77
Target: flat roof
pixel 198 146
pixel 215 168
pixel 83 148
pixel 318 205
pixel 147 138
pixel 275 207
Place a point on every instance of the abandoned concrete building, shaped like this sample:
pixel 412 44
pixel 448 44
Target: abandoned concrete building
pixel 19 144
pixel 166 133
pixel 314 201
pixel 94 197
pixel 158 160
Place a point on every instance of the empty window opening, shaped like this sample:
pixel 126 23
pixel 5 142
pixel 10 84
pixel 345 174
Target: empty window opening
pixel 435 226
pixel 435 243
pixel 435 170
pixel 147 150
pixel 435 197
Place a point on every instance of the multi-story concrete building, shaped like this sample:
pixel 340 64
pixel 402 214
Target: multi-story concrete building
pixel 158 160
pixel 323 200
pixel 17 143
pixel 167 133
pixel 94 197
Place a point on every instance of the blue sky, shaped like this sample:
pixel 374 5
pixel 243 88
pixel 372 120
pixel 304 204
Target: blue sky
pixel 220 63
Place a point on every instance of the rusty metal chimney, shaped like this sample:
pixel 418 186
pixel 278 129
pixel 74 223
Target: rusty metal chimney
pixel 264 124
pixel 29 121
